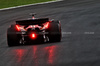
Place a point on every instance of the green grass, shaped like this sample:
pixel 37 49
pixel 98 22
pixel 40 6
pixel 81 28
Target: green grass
pixel 12 3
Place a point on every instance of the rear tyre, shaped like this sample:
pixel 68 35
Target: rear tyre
pixel 55 31
pixel 12 37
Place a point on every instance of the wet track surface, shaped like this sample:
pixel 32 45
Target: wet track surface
pixel 80 45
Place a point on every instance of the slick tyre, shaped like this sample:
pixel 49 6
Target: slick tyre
pixel 12 38
pixel 55 31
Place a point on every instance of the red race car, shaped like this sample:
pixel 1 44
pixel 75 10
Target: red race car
pixel 35 30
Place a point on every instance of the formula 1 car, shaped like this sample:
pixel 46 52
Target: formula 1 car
pixel 34 30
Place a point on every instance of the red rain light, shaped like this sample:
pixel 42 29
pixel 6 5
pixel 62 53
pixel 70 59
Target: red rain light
pixel 33 35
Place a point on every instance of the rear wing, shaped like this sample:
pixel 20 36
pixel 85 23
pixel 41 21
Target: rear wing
pixel 32 21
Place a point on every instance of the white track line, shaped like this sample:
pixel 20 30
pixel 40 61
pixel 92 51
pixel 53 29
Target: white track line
pixel 29 5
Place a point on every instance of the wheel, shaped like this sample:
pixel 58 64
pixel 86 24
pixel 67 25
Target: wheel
pixel 55 31
pixel 12 38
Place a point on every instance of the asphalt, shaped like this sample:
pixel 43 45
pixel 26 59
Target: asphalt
pixel 80 45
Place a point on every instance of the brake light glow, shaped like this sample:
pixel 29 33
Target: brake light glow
pixel 17 27
pixel 47 25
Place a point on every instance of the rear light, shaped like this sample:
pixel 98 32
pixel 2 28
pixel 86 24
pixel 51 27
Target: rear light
pixel 33 18
pixel 46 25
pixel 33 36
pixel 17 27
